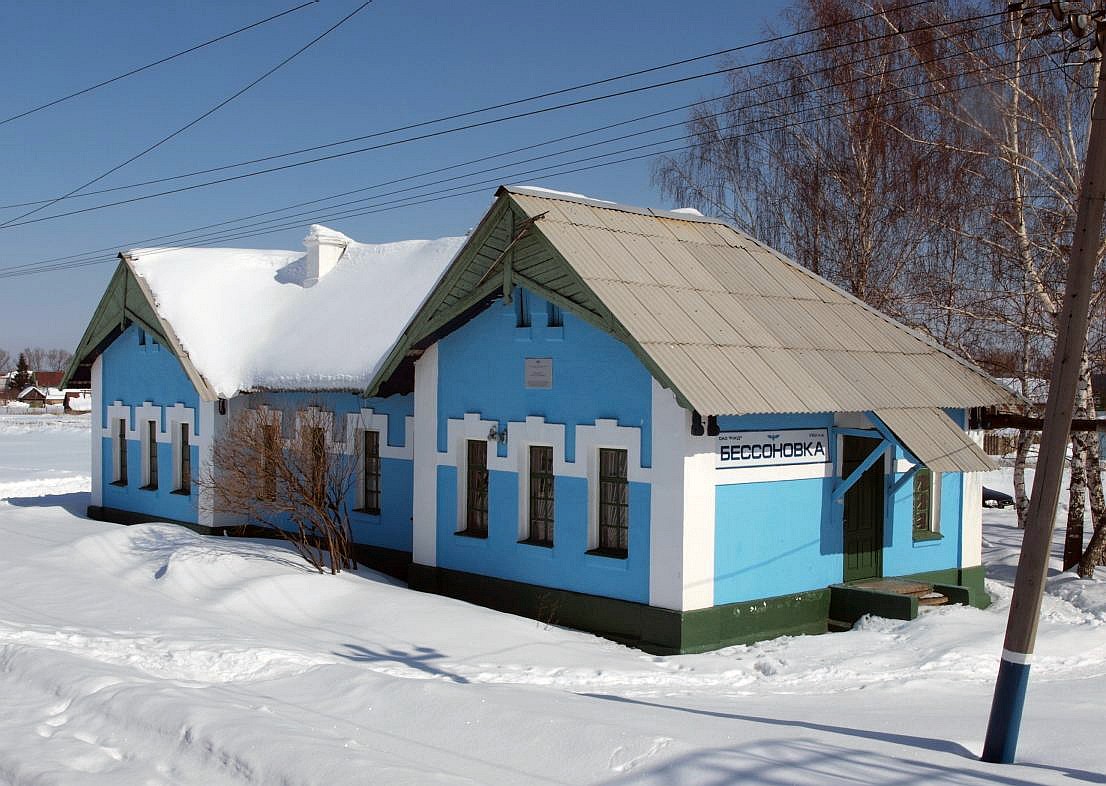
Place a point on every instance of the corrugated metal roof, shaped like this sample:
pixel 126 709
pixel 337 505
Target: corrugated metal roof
pixel 935 440
pixel 738 328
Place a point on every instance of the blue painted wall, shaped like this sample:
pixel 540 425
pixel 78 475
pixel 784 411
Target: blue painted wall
pixel 390 529
pixel 480 369
pixel 902 555
pixel 784 537
pixel 134 373
pixel 566 565
pixel 774 538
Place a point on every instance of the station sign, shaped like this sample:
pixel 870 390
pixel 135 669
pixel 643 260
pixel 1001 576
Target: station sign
pixel 742 449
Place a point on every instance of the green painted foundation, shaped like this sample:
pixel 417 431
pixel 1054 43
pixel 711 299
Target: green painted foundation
pixel 655 630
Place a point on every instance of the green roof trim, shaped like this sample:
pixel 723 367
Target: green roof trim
pixel 127 300
pixel 507 243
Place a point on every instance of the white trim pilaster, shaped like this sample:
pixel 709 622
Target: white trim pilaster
pixel 424 515
pixel 97 429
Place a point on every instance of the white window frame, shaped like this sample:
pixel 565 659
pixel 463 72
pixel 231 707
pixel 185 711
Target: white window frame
pixel 934 502
pixel 178 487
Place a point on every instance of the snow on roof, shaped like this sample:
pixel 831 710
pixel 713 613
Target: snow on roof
pixel 247 322
pixel 569 194
pixel 687 211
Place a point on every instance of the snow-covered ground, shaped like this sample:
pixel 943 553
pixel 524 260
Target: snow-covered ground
pixel 150 654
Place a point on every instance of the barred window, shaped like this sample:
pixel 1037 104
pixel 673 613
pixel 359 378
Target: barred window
pixel 316 441
pixel 476 497
pixel 270 447
pixel 185 486
pixel 541 495
pixel 614 507
pixel 370 472
pixel 923 501
pixel 121 452
pixel 151 455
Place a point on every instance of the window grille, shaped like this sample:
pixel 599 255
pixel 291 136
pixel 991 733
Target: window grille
pixel 476 507
pixel 121 451
pixel 614 506
pixel 923 500
pixel 185 486
pixel 541 495
pixel 151 454
pixel 370 477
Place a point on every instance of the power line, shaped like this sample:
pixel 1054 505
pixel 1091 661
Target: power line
pixel 148 66
pixel 517 101
pixel 17 222
pixel 578 148
pixel 474 188
pixel 161 238
pixel 208 113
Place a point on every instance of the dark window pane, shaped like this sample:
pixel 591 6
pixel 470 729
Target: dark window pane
pixel 371 477
pixel 151 447
pixel 185 460
pixel 923 500
pixel 122 447
pixel 476 519
pixel 541 494
pixel 614 508
pixel 270 445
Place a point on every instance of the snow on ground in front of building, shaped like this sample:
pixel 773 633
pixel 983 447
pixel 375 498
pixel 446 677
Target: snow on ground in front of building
pixel 150 654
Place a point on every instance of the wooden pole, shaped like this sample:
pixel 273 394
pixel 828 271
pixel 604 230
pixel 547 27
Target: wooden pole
pixel 1071 339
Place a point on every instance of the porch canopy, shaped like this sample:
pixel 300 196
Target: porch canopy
pixel 935 440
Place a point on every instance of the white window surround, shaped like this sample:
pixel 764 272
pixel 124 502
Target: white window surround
pixel 325 418
pixel 137 417
pixel 116 448
pixel 934 503
pixel 145 442
pixel 175 438
pixel 370 420
pixel 356 440
pixel 605 433
pixel 170 416
pixel 459 432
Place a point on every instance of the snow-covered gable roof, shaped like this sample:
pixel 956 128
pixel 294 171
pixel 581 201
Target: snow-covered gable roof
pixel 246 321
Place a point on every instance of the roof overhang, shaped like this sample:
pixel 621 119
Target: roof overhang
pixel 932 436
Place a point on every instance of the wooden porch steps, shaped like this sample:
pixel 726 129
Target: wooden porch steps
pixel 891 598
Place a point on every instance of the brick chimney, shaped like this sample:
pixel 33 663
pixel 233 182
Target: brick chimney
pixel 324 248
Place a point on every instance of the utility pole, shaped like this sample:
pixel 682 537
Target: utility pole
pixel 1071 340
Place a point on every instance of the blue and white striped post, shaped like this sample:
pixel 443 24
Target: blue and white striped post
pixel 1071 341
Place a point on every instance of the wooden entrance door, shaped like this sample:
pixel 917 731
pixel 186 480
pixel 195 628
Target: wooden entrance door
pixel 863 512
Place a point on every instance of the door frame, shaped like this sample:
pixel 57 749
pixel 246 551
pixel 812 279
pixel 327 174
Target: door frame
pixel 881 504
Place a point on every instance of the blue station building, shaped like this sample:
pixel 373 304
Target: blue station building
pixel 635 422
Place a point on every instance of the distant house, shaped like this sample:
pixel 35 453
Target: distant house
pixel 1098 386
pixel 48 379
pixel 636 422
pixel 32 396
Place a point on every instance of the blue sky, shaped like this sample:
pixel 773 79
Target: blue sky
pixel 394 63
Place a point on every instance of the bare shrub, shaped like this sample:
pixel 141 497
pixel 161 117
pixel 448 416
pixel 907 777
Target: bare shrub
pixel 292 481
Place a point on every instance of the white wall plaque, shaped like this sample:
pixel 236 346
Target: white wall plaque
pixel 538 373
pixel 737 449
